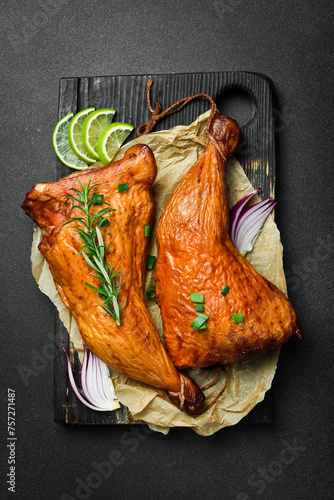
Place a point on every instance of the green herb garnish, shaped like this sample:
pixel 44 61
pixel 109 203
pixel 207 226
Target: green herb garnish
pixel 97 199
pixel 150 294
pixel 197 297
pixel 225 290
pixel 121 188
pixel 150 261
pixel 147 231
pixel 237 318
pixel 94 249
pixel 199 308
pixel 198 323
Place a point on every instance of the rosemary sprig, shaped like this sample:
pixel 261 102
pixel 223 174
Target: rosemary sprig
pixel 94 249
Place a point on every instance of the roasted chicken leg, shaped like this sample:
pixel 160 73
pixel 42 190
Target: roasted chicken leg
pixel 197 256
pixel 134 348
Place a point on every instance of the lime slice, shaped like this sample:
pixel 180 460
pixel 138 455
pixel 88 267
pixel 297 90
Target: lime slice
pixel 92 128
pixel 62 146
pixel 75 135
pixel 111 140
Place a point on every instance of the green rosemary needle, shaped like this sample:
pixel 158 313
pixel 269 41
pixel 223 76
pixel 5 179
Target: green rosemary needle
pixel 94 250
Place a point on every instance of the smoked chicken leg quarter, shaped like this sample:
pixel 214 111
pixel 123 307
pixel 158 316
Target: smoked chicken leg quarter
pixel 134 347
pixel 196 256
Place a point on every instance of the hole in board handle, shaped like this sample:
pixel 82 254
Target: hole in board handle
pixel 237 104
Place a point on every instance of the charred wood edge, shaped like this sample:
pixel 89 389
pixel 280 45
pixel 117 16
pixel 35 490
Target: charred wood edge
pixel 127 95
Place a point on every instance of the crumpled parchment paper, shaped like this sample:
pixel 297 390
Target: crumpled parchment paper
pixel 176 150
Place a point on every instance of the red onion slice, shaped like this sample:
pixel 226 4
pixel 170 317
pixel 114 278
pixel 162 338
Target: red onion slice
pixel 237 209
pixel 247 221
pixel 97 391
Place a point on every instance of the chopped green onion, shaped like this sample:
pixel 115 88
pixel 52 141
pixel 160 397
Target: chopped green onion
pixel 225 290
pixel 199 308
pixel 97 199
pixel 199 321
pixel 203 327
pixel 150 261
pixel 124 186
pixel 104 222
pixel 150 294
pixel 197 297
pixel 147 231
pixel 237 318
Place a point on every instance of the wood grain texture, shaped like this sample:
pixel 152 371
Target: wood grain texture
pixel 127 94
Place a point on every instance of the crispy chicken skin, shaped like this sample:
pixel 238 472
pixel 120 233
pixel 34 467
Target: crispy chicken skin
pixel 197 255
pixel 134 348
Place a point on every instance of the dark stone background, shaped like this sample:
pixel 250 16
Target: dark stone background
pixel 291 42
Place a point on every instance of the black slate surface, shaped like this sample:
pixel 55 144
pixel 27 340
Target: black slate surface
pixel 291 42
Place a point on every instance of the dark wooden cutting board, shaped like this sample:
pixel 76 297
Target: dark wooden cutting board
pixel 249 95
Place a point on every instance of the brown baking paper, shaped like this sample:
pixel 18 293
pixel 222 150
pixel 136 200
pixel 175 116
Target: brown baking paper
pixel 176 150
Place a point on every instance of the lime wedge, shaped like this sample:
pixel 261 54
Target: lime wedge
pixel 75 135
pixel 62 146
pixel 111 140
pixel 92 128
